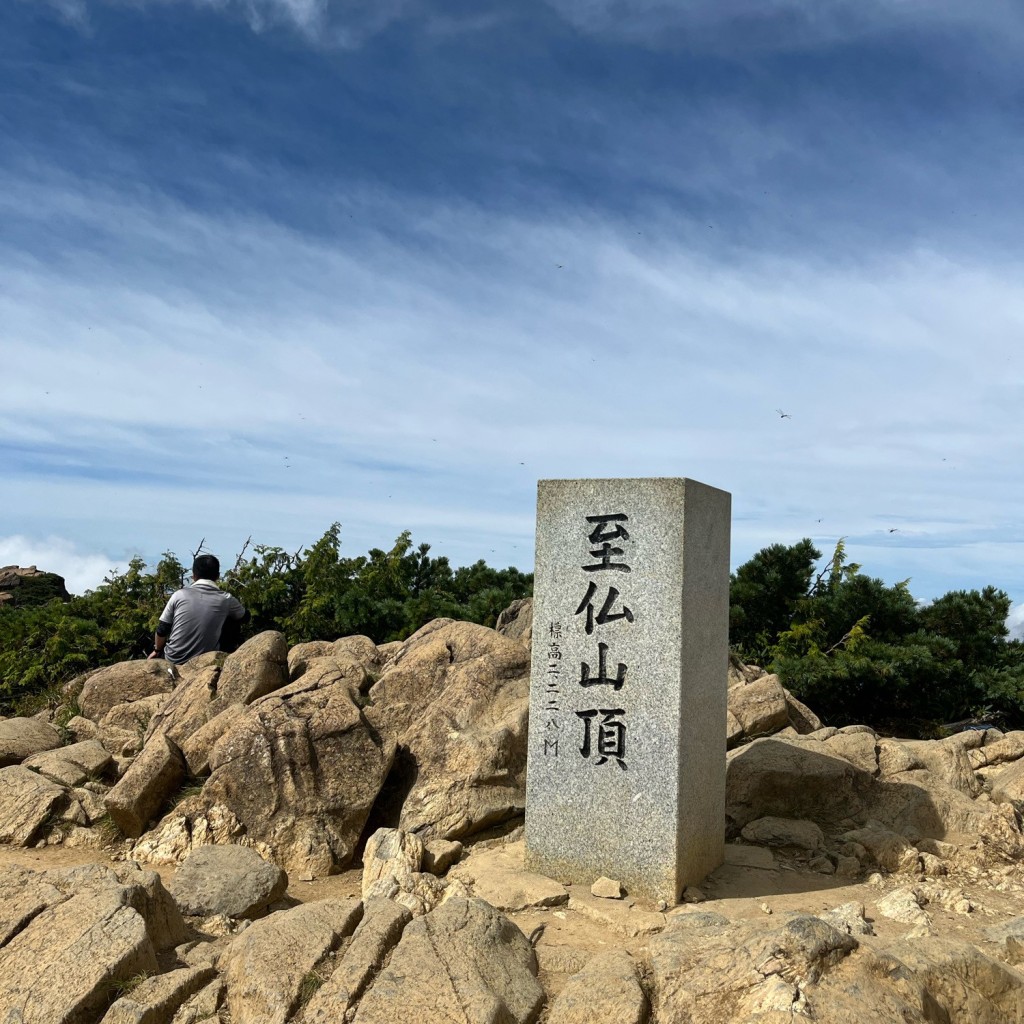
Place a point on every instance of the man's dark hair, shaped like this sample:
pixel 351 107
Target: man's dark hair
pixel 206 567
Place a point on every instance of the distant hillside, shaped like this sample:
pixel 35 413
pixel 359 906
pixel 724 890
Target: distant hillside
pixel 25 587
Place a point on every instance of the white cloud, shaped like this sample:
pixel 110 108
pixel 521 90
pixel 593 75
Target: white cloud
pixel 81 570
pixel 1015 621
pixel 222 375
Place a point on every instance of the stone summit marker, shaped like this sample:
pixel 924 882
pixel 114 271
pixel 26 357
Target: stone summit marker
pixel 626 759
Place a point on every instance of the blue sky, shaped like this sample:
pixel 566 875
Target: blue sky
pixel 265 265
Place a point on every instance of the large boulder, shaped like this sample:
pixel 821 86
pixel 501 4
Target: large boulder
pixel 140 793
pixel 377 935
pixel 231 880
pixel 27 802
pixel 455 698
pixel 122 683
pixel 464 962
pixel 516 621
pixel 257 668
pixel 89 934
pixel 773 777
pixel 23 737
pixel 265 967
pixel 300 770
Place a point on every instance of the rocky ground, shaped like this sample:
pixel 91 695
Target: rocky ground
pixel 334 833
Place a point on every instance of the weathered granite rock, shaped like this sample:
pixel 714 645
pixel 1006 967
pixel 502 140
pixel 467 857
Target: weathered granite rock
pixel 134 716
pixel 23 737
pixel 607 989
pixel 301 655
pixel 197 747
pixel 770 831
pixel 121 683
pixel 24 894
pixel 464 963
pixel 203 1007
pixel 137 888
pixel 760 707
pixel 191 705
pixel 62 968
pixel 706 967
pixel 231 880
pixel 607 889
pixel 772 777
pixel 27 802
pixel 390 853
pixel 619 916
pixel 887 848
pixel 440 854
pixel 155 1000
pixel 516 621
pixel 859 748
pixel 300 770
pixel 455 698
pixel 497 875
pixel 263 969
pixel 153 776
pixel 258 667
pixel 378 933
pixel 71 765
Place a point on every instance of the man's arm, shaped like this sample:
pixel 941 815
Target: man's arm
pixel 163 631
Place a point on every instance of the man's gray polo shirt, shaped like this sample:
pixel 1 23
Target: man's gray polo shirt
pixel 196 616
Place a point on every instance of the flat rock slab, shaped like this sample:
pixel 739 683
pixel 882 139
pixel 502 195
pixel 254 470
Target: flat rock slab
pixel 771 831
pixel 464 963
pixel 24 894
pixel 620 916
pixel 378 933
pixel 71 765
pixel 231 880
pixel 156 999
pixel 63 967
pixel 607 989
pixel 265 966
pixel 27 800
pixel 499 877
pixel 23 737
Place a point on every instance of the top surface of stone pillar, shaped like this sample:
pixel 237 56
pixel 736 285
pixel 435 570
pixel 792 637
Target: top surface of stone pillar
pixel 626 762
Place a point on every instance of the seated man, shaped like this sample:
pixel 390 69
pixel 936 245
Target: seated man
pixel 194 618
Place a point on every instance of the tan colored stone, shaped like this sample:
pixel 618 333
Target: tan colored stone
pixel 264 967
pixel 859 748
pixel 607 989
pixel 760 707
pixel 27 802
pixel 377 935
pixel 23 737
pixel 300 655
pixel 618 915
pixel 300 770
pixel 156 999
pixel 121 683
pixel 440 854
pixel 71 765
pixel 390 853
pixel 62 967
pixel 497 875
pixel 770 831
pixel 455 698
pixel 258 667
pixel 138 796
pixel 465 963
